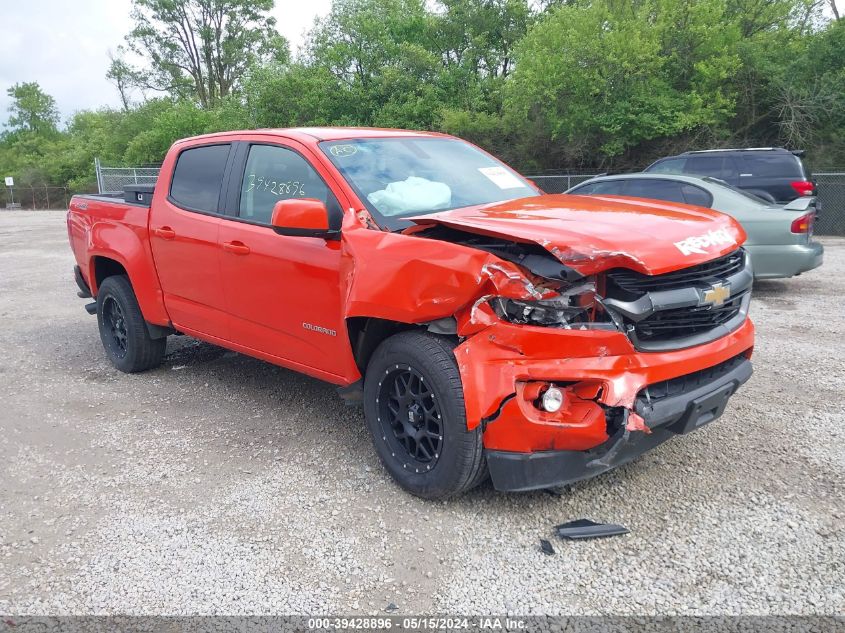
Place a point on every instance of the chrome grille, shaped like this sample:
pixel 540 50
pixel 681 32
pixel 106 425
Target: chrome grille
pixel 671 324
pixel 638 283
pixel 681 309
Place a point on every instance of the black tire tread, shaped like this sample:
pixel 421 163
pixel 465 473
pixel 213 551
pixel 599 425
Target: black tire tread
pixel 147 353
pixel 438 352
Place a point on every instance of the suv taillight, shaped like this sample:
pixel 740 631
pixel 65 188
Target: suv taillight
pixel 803 187
pixel 804 224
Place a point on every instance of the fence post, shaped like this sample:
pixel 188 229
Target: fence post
pixel 47 195
pixel 99 175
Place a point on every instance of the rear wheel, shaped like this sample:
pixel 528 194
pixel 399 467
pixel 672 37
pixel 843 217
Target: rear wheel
pixel 123 330
pixel 414 406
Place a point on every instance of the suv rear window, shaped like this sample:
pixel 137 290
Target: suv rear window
pixel 772 166
pixel 198 177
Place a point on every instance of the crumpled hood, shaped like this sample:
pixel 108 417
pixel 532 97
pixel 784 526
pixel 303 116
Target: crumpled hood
pixel 594 233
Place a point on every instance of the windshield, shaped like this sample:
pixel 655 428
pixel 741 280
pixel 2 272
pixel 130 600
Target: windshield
pixel 397 178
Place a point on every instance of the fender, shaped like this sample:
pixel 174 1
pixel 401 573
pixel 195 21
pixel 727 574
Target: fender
pixel 129 245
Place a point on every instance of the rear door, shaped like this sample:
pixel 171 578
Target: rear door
pixel 283 293
pixel 184 225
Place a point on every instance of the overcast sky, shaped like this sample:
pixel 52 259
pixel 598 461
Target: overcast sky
pixel 63 45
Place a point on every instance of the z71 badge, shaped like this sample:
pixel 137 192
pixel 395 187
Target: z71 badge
pixel 698 243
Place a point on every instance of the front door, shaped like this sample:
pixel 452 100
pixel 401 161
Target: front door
pixel 184 226
pixel 283 293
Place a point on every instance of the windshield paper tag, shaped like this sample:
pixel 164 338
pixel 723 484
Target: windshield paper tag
pixel 501 177
pixel 698 243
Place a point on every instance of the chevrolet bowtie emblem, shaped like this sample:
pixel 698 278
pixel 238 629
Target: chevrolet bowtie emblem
pixel 717 294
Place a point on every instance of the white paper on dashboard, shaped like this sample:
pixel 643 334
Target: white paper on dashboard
pixel 501 177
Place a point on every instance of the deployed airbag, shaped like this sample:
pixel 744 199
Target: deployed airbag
pixel 411 195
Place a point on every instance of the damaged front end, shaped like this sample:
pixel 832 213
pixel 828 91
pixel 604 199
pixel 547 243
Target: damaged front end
pixel 574 357
pixel 555 376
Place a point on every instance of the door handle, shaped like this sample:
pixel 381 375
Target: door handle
pixel 238 248
pixel 165 232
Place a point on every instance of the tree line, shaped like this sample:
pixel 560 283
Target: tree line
pixel 544 84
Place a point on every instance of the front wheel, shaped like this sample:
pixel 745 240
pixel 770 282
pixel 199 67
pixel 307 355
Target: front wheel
pixel 414 406
pixel 123 330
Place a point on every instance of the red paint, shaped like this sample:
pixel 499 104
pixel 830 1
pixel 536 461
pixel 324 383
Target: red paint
pixel 304 213
pixel 287 299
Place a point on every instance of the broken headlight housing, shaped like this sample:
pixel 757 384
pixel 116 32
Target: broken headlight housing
pixel 577 306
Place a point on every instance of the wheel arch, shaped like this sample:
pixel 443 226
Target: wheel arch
pixel 367 333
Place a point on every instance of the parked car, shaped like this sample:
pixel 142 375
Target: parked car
pixel 772 173
pixel 779 237
pixel 484 326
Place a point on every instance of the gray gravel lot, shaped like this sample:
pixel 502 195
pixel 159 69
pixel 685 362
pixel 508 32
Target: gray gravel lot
pixel 221 484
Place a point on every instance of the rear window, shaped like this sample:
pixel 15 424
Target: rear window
pixel 772 166
pixel 198 177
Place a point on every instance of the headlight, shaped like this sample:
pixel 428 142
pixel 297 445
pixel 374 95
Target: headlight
pixel 576 306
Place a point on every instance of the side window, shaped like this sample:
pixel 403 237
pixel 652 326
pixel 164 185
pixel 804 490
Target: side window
pixel 198 177
pixel 668 190
pixel 609 188
pixel 696 195
pixel 669 166
pixel 706 166
pixel 584 190
pixel 276 173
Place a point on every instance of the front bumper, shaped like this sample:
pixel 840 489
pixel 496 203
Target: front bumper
pixel 699 402
pixel 788 260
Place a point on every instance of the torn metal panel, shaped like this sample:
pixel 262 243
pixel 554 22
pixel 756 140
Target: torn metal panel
pixel 599 368
pixel 407 279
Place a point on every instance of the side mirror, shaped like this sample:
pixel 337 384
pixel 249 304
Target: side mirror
pixel 301 217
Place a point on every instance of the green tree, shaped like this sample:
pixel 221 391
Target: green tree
pixel 604 77
pixel 201 49
pixel 31 110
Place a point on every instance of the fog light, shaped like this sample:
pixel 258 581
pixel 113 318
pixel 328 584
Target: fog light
pixel 552 400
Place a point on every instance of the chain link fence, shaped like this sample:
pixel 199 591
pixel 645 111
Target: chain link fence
pixel 560 182
pixel 35 198
pixel 831 200
pixel 114 179
pixel 831 196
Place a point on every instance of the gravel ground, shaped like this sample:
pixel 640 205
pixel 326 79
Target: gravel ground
pixel 221 484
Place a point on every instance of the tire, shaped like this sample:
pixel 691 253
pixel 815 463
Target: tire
pixel 123 330
pixel 412 386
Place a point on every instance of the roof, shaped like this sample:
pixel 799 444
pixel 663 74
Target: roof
pixel 797 152
pixel 695 180
pixel 323 133
pixel 337 133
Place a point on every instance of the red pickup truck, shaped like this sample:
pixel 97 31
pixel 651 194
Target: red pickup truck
pixel 487 328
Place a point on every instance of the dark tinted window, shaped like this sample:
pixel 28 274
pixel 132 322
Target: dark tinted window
pixel 718 166
pixel 696 195
pixel 198 177
pixel 606 187
pixel 276 173
pixel 668 166
pixel 771 165
pixel 668 190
